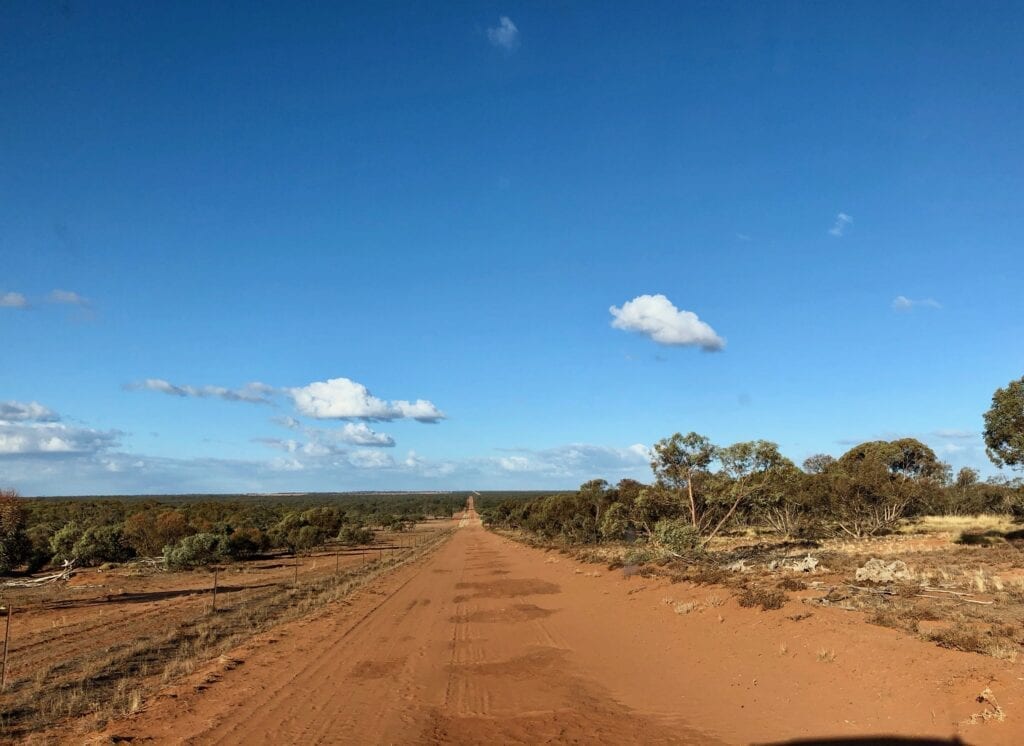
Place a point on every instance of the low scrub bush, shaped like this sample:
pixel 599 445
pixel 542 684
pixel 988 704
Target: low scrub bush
pixel 768 599
pixel 677 535
pixel 355 535
pixel 197 550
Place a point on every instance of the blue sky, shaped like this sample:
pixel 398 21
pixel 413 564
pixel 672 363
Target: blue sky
pixel 362 208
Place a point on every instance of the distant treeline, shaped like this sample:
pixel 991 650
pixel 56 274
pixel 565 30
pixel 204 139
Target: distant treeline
pixel 191 530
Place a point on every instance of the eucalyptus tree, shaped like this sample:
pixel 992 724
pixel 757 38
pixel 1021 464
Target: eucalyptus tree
pixel 713 498
pixel 875 484
pixel 1004 426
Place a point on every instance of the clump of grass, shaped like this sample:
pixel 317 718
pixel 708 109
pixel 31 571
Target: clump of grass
pixel 826 655
pixel 902 615
pixel 783 648
pixel 768 599
pixel 959 637
pixel 685 607
pixel 792 584
pixel 707 575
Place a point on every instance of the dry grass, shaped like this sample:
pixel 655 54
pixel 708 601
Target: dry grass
pixel 768 599
pixel 826 655
pixel 955 524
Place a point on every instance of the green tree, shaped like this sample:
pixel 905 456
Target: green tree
pixel 755 475
pixel 712 499
pixel 1004 426
pixel 877 483
pixel 679 464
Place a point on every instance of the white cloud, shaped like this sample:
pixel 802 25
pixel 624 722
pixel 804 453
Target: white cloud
pixel 369 459
pixel 254 393
pixel 29 428
pixel 505 35
pixel 345 399
pixel 67 297
pixel 359 433
pixel 321 442
pixel 903 303
pixel 13 300
pixel 515 463
pixel 656 317
pixel 839 227
pixel 16 411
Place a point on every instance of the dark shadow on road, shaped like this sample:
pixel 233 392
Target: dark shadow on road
pixel 868 741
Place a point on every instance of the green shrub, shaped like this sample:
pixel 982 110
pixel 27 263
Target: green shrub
pixel 245 542
pixel 101 544
pixel 355 535
pixel 676 535
pixel 197 550
pixel 615 522
pixel 62 543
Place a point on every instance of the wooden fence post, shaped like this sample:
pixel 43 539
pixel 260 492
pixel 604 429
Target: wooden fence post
pixel 7 637
pixel 216 570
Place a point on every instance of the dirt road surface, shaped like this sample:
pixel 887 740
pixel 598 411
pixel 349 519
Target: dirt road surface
pixel 488 641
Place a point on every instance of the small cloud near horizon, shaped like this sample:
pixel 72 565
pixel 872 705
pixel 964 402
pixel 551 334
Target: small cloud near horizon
pixel 13 300
pixel 903 303
pixel 67 298
pixel 656 317
pixel 505 35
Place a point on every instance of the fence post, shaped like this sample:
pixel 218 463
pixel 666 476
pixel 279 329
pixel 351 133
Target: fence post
pixel 7 637
pixel 216 570
pixel 336 560
pixel 295 580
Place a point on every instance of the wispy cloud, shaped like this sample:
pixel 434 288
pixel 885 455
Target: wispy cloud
pixel 655 316
pixel 68 298
pixel 903 303
pixel 839 227
pixel 345 399
pixel 577 460
pixel 254 393
pixel 13 300
pixel 505 35
pixel 954 433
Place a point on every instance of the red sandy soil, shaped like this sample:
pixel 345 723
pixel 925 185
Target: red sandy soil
pixel 98 609
pixel 489 641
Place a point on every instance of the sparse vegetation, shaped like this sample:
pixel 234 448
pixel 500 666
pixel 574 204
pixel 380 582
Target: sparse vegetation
pixel 769 599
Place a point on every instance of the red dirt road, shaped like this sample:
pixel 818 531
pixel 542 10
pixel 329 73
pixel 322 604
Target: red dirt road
pixel 488 641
